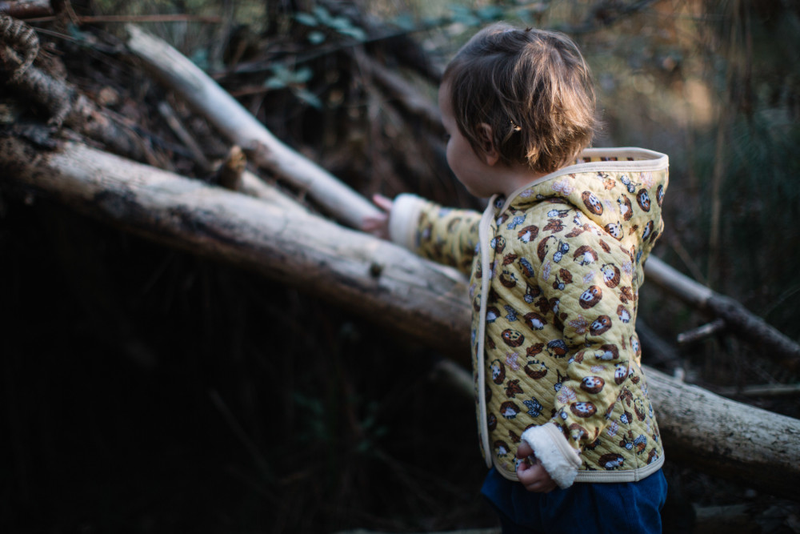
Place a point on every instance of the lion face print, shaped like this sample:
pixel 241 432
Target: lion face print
pixel 614 230
pixel 590 297
pixel 592 384
pixel 592 203
pixel 509 409
pixel 643 199
pixel 600 325
pixel 611 275
pixel 512 338
pixel 583 409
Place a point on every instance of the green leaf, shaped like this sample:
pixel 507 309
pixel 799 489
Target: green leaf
pixel 322 15
pixel 316 37
pixel 306 18
pixel 309 98
pixel 303 75
pixel 356 33
pixel 274 83
pixel 404 22
pixel 489 13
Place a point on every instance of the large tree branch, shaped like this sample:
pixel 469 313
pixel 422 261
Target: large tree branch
pixel 384 283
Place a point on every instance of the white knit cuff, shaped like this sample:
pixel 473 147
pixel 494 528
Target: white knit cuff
pixel 403 220
pixel 550 446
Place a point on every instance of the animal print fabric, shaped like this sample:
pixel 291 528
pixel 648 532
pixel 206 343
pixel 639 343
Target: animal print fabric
pixel 565 262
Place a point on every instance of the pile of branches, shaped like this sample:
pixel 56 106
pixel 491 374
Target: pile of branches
pixel 214 164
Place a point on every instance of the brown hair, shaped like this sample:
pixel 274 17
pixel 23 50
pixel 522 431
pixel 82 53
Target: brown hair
pixel 532 87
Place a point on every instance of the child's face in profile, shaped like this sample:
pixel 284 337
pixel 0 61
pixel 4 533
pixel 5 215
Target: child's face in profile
pixel 470 169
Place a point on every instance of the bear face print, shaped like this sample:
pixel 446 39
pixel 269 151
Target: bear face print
pixel 583 409
pixel 600 325
pixel 535 369
pixel 557 348
pixel 590 297
pixel 512 338
pixel 528 234
pixel 611 461
pixel 498 370
pixel 652 456
pixel 625 208
pixel 623 314
pixel 592 203
pixel 585 255
pixel 535 321
pixel 660 195
pixel 592 384
pixel 509 409
pixel 643 199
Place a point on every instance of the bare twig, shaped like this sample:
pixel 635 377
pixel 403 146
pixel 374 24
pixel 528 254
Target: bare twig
pixel 702 332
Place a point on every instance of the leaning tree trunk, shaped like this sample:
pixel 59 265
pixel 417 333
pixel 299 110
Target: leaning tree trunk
pixel 384 283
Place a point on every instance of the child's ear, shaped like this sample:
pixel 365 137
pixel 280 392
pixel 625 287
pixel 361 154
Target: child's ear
pixel 490 153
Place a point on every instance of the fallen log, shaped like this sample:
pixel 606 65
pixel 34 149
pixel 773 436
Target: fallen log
pixel 396 289
pixel 386 284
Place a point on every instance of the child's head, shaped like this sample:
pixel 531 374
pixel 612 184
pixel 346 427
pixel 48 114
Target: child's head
pixel 531 87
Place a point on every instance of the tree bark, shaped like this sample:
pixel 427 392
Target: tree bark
pixel 386 284
pixel 394 288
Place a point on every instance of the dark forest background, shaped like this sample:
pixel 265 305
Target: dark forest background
pixel 146 390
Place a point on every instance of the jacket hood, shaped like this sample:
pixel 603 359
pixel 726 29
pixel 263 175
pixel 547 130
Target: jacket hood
pixel 619 189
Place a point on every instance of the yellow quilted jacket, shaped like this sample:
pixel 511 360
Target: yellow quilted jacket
pixel 555 271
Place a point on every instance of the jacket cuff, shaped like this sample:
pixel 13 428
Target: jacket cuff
pixel 559 459
pixel 403 220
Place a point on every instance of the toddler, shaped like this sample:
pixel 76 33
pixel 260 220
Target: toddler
pixel 555 264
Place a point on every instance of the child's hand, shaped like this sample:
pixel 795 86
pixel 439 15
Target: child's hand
pixel 533 475
pixel 378 225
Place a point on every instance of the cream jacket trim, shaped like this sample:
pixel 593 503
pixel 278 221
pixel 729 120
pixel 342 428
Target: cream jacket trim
pixel 559 459
pixel 403 220
pixel 486 281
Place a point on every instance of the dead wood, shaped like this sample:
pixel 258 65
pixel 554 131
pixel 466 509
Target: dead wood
pixel 701 332
pixel 392 287
pixel 389 285
pixel 766 339
pixel 241 128
pixel 25 9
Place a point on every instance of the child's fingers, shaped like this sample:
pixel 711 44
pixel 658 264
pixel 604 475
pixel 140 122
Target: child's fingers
pixel 524 450
pixel 382 202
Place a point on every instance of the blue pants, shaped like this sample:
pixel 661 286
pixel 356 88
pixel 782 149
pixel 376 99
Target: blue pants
pixel 623 507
